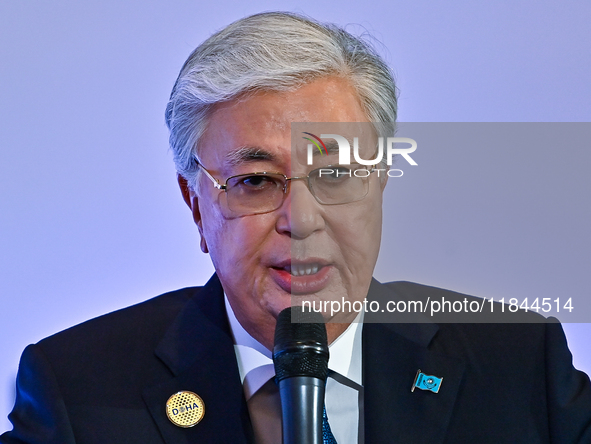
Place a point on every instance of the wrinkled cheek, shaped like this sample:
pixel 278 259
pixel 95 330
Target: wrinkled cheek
pixel 361 255
pixel 233 258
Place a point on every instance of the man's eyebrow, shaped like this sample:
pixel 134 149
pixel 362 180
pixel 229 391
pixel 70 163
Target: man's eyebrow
pixel 332 147
pixel 248 154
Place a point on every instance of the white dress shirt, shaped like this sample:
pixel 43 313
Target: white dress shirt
pixel 343 387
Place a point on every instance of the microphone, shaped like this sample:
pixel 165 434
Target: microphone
pixel 300 356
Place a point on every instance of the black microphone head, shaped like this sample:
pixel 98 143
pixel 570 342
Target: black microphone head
pixel 301 346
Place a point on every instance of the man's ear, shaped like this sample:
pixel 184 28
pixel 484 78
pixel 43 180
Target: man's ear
pixel 185 190
pixel 192 201
pixel 384 180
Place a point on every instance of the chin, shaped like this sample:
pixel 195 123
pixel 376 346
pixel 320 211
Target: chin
pixel 278 302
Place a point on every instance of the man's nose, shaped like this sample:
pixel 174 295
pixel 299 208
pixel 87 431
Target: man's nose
pixel 300 215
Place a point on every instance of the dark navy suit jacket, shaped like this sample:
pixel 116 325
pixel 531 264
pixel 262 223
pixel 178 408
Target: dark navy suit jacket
pixel 107 380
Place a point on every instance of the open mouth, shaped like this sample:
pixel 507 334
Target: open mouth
pixel 302 269
pixel 303 277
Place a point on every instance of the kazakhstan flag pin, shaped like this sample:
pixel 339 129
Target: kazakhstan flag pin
pixel 426 382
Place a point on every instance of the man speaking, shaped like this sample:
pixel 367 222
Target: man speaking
pixel 195 365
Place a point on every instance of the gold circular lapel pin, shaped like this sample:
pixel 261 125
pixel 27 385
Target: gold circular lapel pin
pixel 185 409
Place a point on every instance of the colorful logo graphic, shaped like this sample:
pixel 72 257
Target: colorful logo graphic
pixel 316 143
pixel 386 146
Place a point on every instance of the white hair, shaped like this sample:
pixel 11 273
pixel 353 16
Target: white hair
pixel 272 51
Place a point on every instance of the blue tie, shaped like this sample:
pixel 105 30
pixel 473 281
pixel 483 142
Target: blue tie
pixel 327 435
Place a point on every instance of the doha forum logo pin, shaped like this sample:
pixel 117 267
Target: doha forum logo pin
pixel 385 146
pixel 185 409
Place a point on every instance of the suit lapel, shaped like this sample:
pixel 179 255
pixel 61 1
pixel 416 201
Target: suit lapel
pixel 198 349
pixel 392 354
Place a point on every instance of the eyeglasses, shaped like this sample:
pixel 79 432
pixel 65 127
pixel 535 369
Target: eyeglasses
pixel 263 192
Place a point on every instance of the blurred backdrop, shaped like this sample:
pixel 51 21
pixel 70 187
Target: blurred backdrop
pixel 91 219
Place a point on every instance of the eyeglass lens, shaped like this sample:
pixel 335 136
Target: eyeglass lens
pixel 263 192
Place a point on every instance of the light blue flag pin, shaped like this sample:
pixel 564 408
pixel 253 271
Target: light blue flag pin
pixel 426 382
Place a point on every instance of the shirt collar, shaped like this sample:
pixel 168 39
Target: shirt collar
pixel 255 361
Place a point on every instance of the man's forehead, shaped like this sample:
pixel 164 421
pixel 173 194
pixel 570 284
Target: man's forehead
pixel 286 153
pixel 320 143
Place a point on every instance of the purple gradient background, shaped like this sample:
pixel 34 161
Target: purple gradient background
pixel 90 216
